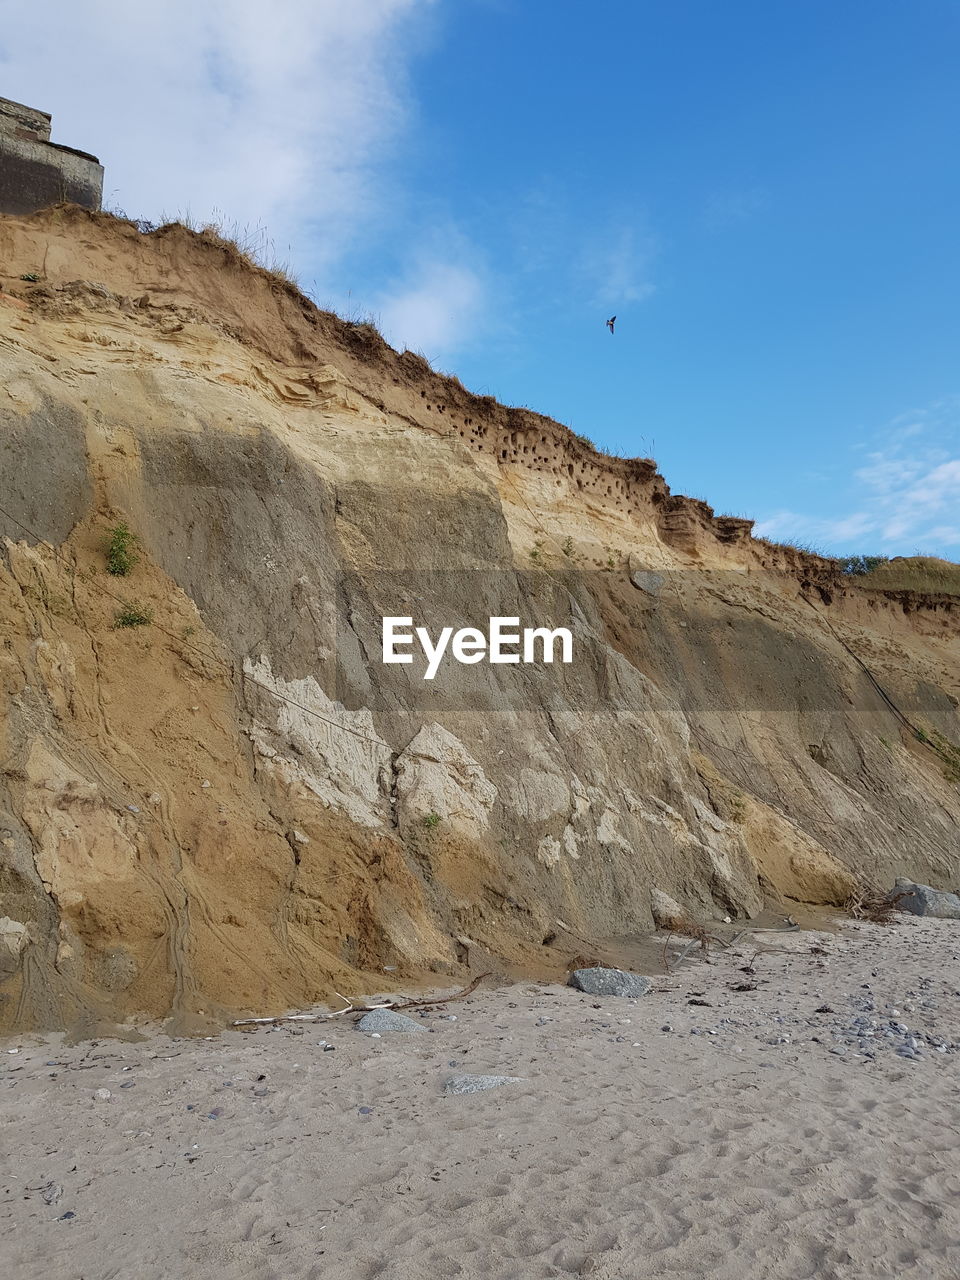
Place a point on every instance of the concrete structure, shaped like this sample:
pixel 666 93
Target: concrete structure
pixel 35 172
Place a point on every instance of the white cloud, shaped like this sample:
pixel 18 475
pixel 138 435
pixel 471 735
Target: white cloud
pixel 905 497
pixel 824 531
pixel 279 115
pixel 936 488
pixel 435 307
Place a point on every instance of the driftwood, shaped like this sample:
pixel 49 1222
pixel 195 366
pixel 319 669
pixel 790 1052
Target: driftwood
pixel 873 904
pixel 667 965
pixel 352 1007
pixel 699 937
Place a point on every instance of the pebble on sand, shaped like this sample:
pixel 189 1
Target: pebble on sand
pixel 476 1084
pixel 380 1020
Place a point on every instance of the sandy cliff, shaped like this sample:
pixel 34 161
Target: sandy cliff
pixel 237 806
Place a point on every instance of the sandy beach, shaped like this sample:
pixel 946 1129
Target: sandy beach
pixel 797 1121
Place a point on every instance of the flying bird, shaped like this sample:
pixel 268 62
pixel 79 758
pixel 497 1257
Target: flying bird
pixel 611 322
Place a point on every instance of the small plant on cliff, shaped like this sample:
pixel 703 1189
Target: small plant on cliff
pixel 948 752
pixel 120 550
pixel 570 551
pixel 536 552
pixel 431 820
pixel 31 277
pixel 737 805
pixel 132 614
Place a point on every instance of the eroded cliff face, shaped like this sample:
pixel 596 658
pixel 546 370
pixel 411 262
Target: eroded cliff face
pixel 238 807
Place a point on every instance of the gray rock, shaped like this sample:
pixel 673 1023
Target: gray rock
pixel 476 1084
pixel 381 1020
pixel 921 900
pixel 646 580
pixel 610 982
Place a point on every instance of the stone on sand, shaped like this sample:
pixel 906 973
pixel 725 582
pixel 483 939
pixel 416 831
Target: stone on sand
pixel 610 982
pixel 921 900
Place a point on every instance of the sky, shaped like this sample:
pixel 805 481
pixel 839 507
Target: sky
pixel 765 194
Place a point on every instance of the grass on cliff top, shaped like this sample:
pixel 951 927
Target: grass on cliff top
pixel 250 244
pixel 805 548
pixel 924 574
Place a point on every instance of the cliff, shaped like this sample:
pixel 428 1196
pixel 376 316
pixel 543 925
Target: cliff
pixel 235 806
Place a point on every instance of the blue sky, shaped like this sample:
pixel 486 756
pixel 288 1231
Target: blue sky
pixel 766 194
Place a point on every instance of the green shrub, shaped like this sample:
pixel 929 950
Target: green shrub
pixel 431 820
pixel 570 551
pixel 132 614
pixel 858 565
pixel 120 550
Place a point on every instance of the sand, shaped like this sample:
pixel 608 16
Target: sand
pixel 624 1151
